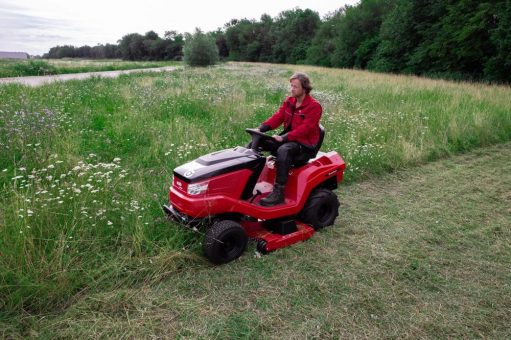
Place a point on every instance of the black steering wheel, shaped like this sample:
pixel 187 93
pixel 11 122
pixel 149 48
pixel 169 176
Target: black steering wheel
pixel 257 137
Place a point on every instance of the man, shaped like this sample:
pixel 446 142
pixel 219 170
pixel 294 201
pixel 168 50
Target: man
pixel 300 114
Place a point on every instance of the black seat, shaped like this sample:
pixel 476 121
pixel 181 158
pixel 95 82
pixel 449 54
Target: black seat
pixel 303 158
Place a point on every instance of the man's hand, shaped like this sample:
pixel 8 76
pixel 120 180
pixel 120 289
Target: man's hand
pixel 278 138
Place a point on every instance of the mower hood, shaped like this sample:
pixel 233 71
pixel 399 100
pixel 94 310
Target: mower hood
pixel 218 163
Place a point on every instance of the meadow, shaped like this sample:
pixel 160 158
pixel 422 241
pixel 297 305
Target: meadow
pixel 42 67
pixel 86 165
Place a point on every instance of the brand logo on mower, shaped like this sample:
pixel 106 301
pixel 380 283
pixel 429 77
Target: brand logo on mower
pixel 332 172
pixel 189 173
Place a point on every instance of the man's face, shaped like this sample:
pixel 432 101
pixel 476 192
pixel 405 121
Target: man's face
pixel 297 90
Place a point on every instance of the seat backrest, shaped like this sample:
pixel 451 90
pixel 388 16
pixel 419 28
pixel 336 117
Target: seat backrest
pixel 321 137
pixel 303 158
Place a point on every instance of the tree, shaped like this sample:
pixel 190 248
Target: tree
pixel 461 41
pixel 200 50
pixel 498 67
pixel 293 32
pixel 405 36
pixel 132 47
pixel 322 45
pixel 357 33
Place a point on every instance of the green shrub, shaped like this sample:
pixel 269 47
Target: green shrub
pixel 200 50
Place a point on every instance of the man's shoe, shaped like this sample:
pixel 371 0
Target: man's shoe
pixel 275 197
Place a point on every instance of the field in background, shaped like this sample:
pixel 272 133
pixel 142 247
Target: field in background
pixel 85 165
pixel 41 67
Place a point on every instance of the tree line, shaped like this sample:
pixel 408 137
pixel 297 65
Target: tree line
pixel 455 39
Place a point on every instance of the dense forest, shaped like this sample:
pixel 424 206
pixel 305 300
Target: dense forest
pixel 455 39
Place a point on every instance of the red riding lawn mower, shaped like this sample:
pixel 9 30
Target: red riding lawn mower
pixel 221 191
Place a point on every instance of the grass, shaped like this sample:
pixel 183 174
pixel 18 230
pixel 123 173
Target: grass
pixel 85 165
pixel 421 253
pixel 40 67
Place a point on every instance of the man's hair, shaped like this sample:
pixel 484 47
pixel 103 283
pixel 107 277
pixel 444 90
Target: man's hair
pixel 304 81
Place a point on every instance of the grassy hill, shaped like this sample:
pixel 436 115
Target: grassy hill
pixel 85 165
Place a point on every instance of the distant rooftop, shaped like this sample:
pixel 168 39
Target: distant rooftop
pixel 13 55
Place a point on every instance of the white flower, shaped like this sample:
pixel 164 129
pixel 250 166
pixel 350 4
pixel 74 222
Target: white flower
pixel 117 159
pixel 109 223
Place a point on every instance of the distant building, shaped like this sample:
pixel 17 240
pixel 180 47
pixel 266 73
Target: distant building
pixel 13 55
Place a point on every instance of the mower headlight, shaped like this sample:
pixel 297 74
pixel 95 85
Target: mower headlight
pixel 197 188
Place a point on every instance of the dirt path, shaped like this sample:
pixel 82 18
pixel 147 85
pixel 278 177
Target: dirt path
pixel 40 80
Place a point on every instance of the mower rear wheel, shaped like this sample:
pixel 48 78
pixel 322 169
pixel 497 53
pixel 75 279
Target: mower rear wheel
pixel 225 241
pixel 321 209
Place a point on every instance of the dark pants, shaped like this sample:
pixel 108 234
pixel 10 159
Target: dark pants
pixel 286 154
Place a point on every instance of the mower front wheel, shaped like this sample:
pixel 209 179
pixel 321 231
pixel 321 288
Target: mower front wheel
pixel 225 241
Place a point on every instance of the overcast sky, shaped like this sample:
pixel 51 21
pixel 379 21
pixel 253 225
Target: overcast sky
pixel 34 26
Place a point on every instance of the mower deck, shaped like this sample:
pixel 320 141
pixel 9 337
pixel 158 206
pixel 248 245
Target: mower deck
pixel 273 241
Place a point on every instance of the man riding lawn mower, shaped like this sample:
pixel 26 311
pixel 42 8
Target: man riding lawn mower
pixel 277 200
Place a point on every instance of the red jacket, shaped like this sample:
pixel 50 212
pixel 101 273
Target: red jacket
pixel 301 123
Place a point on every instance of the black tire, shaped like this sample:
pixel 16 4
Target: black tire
pixel 321 209
pixel 225 241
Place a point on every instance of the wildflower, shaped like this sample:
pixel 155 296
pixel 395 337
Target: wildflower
pixel 117 159
pixel 22 169
pixel 4 170
pixel 109 223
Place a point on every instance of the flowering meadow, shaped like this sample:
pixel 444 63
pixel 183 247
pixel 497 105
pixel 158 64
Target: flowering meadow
pixel 86 165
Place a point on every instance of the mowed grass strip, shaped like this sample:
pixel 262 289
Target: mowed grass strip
pixel 421 253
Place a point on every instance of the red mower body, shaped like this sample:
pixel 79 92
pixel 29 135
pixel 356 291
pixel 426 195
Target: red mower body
pixel 223 194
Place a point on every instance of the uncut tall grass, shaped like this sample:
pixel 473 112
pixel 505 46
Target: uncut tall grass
pixel 86 165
